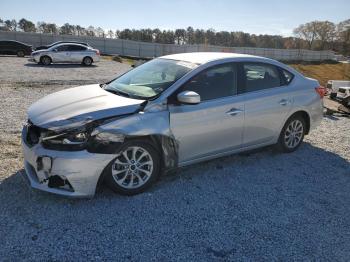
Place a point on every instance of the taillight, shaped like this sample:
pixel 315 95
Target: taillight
pixel 97 52
pixel 321 91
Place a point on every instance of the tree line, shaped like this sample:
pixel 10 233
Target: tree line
pixel 315 35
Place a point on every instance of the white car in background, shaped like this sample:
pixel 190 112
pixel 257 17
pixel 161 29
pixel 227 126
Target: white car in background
pixel 334 85
pixel 67 53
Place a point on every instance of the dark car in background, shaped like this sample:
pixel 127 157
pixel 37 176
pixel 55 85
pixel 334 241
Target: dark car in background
pixel 12 47
pixel 59 42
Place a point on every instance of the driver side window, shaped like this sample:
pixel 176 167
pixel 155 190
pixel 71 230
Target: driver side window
pixel 215 82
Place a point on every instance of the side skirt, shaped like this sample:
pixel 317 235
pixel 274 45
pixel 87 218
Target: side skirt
pixel 225 153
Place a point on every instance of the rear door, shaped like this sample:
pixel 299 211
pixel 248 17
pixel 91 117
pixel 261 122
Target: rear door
pixel 214 125
pixel 76 53
pixel 267 98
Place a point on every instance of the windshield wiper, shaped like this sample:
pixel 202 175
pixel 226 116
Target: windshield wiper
pixel 117 92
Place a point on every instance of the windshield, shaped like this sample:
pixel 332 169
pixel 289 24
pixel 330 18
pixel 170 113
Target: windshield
pixel 150 79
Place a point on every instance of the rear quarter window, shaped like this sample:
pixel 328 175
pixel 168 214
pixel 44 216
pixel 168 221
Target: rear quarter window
pixel 287 76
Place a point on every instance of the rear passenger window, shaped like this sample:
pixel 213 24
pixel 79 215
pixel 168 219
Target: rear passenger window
pixel 76 48
pixel 216 82
pixel 259 76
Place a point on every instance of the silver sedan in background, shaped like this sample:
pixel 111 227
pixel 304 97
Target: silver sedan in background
pixel 67 53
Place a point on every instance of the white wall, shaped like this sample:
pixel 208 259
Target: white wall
pixel 143 49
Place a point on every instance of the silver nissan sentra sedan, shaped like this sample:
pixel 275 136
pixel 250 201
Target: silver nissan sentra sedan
pixel 170 112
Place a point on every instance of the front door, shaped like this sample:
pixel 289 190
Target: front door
pixel 61 54
pixel 215 125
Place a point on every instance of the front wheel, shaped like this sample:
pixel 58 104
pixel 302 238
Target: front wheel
pixel 45 60
pixel 135 169
pixel 292 134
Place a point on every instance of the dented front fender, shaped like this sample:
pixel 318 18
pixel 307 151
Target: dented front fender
pixel 151 125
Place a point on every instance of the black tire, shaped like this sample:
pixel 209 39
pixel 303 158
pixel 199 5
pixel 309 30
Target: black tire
pixel 333 95
pixel 45 60
pixel 125 177
pixel 87 61
pixel 20 53
pixel 284 144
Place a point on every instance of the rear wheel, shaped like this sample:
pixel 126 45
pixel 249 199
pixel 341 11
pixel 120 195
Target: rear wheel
pixel 135 169
pixel 87 61
pixel 45 60
pixel 20 53
pixel 292 134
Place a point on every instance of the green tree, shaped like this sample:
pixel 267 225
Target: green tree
pixel 343 35
pixel 190 39
pixel 180 36
pixel 90 31
pixel 110 34
pixel 11 25
pixel 67 29
pixel 26 25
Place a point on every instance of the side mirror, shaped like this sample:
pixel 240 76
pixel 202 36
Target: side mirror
pixel 189 97
pixel 55 50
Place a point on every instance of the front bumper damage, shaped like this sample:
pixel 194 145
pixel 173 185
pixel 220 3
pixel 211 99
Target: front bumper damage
pixel 70 173
pixel 77 173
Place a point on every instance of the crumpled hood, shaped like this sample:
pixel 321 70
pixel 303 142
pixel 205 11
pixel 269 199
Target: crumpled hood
pixel 77 106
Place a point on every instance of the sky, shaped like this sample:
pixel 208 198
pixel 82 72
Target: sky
pixel 251 16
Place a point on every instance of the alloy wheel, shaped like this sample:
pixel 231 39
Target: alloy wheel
pixel 293 134
pixel 87 61
pixel 132 168
pixel 46 60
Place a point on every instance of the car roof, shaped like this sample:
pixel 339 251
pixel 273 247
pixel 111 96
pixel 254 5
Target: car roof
pixel 69 42
pixel 15 41
pixel 205 57
pixel 65 43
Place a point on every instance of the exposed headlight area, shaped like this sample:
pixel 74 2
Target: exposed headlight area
pixel 69 140
pixel 73 140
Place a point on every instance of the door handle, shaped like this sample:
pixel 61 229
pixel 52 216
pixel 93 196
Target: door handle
pixel 234 111
pixel 284 102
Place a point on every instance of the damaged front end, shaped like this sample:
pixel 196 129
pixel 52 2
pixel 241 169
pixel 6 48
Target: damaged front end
pixel 152 126
pixel 69 159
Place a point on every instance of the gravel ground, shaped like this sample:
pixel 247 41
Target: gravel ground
pixel 20 70
pixel 260 205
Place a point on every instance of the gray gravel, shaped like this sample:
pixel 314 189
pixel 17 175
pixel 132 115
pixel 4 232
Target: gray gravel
pixel 261 205
pixel 20 70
